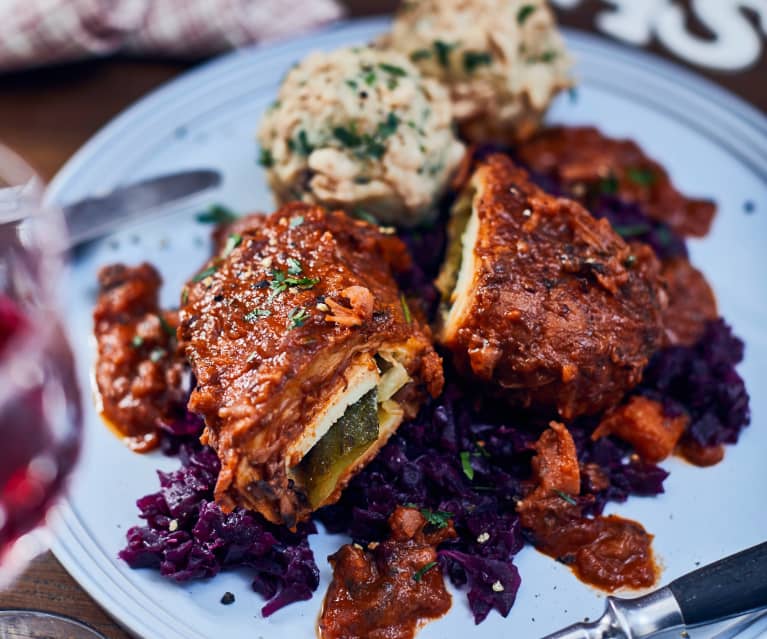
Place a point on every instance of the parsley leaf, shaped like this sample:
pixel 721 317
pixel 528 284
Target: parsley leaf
pixel 232 242
pixel 443 50
pixel 566 497
pixel 466 465
pixel 525 11
pixel 418 575
pixel 256 314
pixel 545 57
pixel 609 185
pixel 394 70
pixel 137 341
pixel 205 273
pixel 438 518
pixel 217 214
pixel 420 54
pixel 474 59
pixel 298 220
pixel 167 328
pixel 280 281
pixel 347 137
pixel 631 230
pixel 366 144
pixel 157 354
pixel 294 266
pixel 297 317
pixel 362 214
pixel 301 144
pixel 405 308
pixel 265 158
pixel 387 128
pixel 641 176
pixel 373 147
pixel 303 283
pixel 369 77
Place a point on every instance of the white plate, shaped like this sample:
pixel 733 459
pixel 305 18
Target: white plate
pixel 712 144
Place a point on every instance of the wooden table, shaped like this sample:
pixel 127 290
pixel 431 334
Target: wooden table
pixel 46 115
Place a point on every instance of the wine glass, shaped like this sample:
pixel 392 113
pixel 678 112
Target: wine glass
pixel 40 412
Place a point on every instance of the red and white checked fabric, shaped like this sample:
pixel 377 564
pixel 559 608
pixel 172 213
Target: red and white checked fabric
pixel 38 32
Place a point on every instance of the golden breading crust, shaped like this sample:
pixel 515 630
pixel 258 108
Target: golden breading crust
pixel 285 317
pixel 551 307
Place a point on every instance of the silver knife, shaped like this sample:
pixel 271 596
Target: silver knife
pixel 99 215
pixel 727 588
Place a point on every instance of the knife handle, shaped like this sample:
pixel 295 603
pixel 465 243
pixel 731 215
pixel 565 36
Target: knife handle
pixel 729 587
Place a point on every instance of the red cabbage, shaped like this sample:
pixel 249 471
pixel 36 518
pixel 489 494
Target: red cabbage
pixel 187 536
pixel 464 454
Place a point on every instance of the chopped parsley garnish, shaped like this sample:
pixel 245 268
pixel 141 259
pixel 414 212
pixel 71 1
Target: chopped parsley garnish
pixel 294 266
pixel 468 470
pixel 157 354
pixel 609 185
pixel 420 54
pixel 525 11
pixel 545 57
pixel 631 230
pixel 352 84
pixel 298 220
pixel 184 295
pixel 256 314
pixel 362 214
pixel 217 214
pixel 369 77
pixel 232 242
pixel 301 144
pixel 394 70
pixel 366 144
pixel 438 518
pixel 664 236
pixel 301 282
pixel 405 308
pixel 265 158
pixel 297 317
pixel 137 341
pixel 418 575
pixel 443 50
pixel 347 136
pixel 167 328
pixel 374 148
pixel 566 497
pixel 281 282
pixel 474 59
pixel 205 273
pixel 643 177
pixel 388 127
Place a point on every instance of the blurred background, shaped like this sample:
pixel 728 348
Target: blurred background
pixel 46 113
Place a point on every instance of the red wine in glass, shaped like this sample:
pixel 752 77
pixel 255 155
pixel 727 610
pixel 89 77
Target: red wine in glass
pixel 40 412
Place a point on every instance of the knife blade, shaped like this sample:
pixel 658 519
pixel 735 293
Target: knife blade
pixel 727 588
pixel 99 215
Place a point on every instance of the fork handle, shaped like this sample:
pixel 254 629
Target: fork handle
pixel 729 587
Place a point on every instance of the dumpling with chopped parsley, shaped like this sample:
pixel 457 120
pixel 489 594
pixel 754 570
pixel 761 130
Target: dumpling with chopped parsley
pixel 361 129
pixel 503 61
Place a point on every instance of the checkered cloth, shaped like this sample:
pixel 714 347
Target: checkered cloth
pixel 37 32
